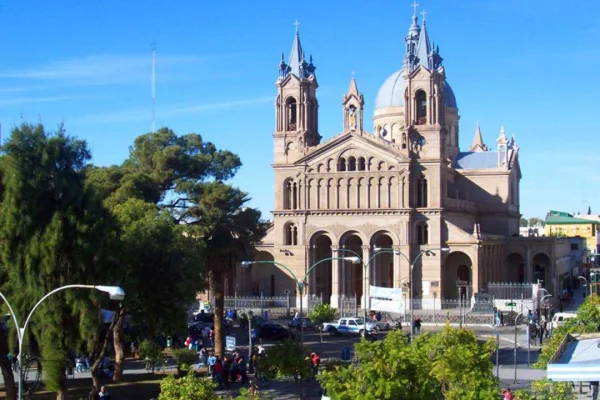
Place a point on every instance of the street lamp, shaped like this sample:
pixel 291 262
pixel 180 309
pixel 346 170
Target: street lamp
pixel 301 284
pixel 115 293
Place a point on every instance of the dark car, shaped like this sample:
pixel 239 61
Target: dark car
pixel 307 324
pixel 274 331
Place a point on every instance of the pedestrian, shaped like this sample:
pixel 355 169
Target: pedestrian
pixel 211 336
pixel 296 314
pixel 594 389
pixel 104 395
pixel 501 318
pixel 316 361
pixel 202 358
pixel 507 393
pixel 242 367
pixel 418 325
pixel 218 371
pixel 529 316
pixel 93 394
pixel 541 332
pixel 212 360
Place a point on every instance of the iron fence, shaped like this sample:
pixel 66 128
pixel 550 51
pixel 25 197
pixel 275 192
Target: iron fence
pixel 313 301
pixel 511 291
pixel 275 306
pixel 348 306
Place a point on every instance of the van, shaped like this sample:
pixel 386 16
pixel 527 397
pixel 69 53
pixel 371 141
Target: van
pixel 560 318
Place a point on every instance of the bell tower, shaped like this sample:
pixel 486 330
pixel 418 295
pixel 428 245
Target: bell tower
pixel 296 106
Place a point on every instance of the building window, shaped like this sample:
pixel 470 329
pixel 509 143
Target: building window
pixel 361 164
pixel 351 164
pixel 290 195
pixel 292 111
pixel 291 235
pixel 421 107
pixel 341 164
pixel 422 192
pixel 574 247
pixel 422 233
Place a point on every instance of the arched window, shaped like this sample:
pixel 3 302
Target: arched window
pixel 290 195
pixel 422 233
pixel 341 164
pixel 291 235
pixel 351 164
pixel 422 192
pixel 361 164
pixel 292 112
pixel 421 107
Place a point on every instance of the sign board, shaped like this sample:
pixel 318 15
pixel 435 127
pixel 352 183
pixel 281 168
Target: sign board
pixel 511 304
pixel 426 287
pixel 230 343
pixel 386 299
pixel 207 306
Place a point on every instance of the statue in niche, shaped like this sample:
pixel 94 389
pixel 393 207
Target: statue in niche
pixel 352 118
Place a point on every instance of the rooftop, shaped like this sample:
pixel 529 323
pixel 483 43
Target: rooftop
pixel 477 160
pixel 563 218
pixel 577 359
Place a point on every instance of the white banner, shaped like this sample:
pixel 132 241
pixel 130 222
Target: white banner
pixel 386 299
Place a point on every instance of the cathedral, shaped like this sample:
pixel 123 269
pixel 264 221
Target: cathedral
pixel 404 197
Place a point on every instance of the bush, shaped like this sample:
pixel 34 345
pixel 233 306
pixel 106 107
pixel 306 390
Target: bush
pixel 184 357
pixel 547 390
pixel 288 359
pixel 152 352
pixel 187 387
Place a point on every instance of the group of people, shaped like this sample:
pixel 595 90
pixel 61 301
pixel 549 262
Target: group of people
pixel 540 327
pixel 228 370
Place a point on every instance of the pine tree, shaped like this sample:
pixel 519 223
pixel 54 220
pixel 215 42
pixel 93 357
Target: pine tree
pixel 52 233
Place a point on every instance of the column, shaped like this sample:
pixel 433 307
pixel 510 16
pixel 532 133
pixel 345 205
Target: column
pixel 397 267
pixel 311 252
pixel 366 298
pixel 528 265
pixel 335 277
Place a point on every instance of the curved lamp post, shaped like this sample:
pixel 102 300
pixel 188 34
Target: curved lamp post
pixel 585 285
pixel 412 265
pixel 301 284
pixel 115 293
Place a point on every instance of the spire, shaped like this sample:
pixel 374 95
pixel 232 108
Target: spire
pixel 297 63
pixel 353 89
pixel 423 48
pixel 502 139
pixel 478 144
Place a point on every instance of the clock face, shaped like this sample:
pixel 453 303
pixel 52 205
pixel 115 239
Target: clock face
pixel 421 141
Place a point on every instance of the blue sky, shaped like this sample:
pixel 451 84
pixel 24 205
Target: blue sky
pixel 527 65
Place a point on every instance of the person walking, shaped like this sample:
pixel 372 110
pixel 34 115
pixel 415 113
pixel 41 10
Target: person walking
pixel 104 395
pixel 594 389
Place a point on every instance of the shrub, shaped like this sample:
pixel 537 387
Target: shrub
pixel 184 357
pixel 152 352
pixel 187 387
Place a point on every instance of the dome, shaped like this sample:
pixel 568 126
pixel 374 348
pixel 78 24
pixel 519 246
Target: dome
pixel 391 93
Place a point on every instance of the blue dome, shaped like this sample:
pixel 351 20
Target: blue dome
pixel 391 93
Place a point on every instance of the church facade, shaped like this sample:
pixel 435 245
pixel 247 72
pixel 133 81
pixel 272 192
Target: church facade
pixel 395 196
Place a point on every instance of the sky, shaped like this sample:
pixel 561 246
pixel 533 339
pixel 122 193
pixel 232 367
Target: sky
pixel 526 65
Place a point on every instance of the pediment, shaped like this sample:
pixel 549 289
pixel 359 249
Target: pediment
pixel 357 144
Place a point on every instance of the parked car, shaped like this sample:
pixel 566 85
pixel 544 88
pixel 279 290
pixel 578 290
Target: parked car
pixel 381 326
pixel 560 318
pixel 349 326
pixel 307 324
pixel 275 331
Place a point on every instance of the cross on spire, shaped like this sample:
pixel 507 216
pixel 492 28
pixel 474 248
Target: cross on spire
pixel 423 13
pixel 296 24
pixel 414 5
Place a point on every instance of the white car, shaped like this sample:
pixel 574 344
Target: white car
pixel 349 326
pixel 560 318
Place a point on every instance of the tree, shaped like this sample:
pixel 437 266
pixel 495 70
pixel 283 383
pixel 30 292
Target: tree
pixel 589 211
pixel 523 222
pixel 536 221
pixel 183 177
pixel 547 390
pixel 53 232
pixel 450 365
pixel 288 359
pixel 320 314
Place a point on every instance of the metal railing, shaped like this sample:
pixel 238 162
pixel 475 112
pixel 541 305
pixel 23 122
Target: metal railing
pixel 511 291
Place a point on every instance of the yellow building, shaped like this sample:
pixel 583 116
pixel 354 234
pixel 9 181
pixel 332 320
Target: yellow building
pixel 563 224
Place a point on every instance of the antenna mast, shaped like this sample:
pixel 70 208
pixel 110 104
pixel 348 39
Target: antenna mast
pixel 153 86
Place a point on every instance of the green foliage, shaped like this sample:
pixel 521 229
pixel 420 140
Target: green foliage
pixel 547 390
pixel 184 356
pixel 248 394
pixel 587 321
pixel 151 351
pixel 523 222
pixel 287 359
pixel 187 387
pixel 450 365
pixel 53 232
pixel 322 313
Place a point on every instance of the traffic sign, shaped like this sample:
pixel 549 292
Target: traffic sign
pixel 230 343
pixel 511 304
